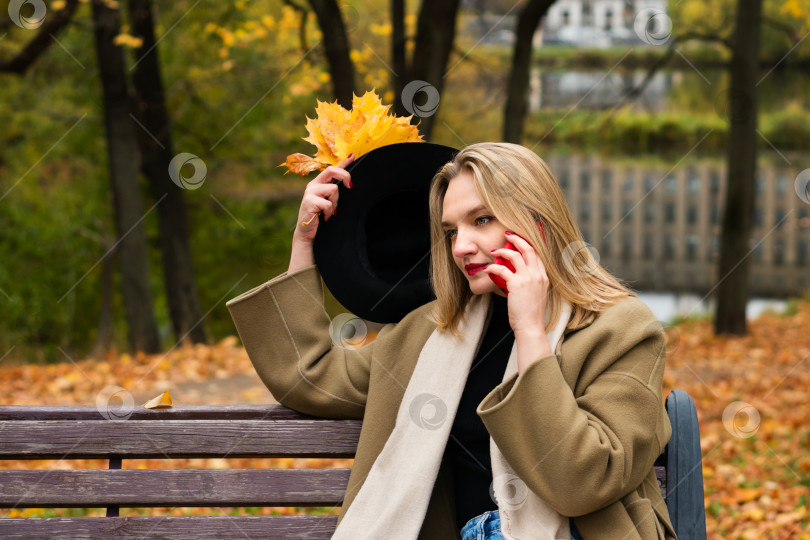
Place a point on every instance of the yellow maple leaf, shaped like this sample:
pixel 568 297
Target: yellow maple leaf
pixel 337 132
pixel 163 401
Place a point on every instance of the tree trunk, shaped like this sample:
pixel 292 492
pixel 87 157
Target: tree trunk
pixel 336 43
pixel 105 316
pixel 732 288
pixel 122 154
pixel 434 41
pixel 516 100
pixel 156 153
pixel 398 57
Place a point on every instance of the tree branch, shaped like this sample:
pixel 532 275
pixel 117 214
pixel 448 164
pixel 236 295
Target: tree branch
pixel 302 27
pixel 788 30
pixel 45 36
pixel 636 91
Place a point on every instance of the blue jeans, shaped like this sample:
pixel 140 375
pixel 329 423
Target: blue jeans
pixel 487 526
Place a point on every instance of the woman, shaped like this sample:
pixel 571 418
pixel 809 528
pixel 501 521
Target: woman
pixel 565 443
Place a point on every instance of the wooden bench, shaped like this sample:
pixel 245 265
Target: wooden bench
pixel 55 433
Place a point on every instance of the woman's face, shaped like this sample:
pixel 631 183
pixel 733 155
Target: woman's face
pixel 473 232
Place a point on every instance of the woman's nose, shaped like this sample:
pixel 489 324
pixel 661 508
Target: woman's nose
pixel 463 245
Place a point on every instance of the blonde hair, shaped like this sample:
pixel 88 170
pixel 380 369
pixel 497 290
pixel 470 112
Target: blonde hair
pixel 519 190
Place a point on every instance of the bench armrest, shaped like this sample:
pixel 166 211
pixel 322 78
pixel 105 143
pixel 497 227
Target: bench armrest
pixel 685 469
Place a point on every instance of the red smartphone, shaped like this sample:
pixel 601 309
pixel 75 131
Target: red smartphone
pixel 499 281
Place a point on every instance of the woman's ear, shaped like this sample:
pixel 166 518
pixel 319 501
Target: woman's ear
pixel 539 221
pixel 542 229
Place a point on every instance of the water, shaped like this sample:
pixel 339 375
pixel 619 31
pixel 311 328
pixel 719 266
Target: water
pixel 699 90
pixel 668 306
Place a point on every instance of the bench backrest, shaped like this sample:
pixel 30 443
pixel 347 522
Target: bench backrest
pixel 55 433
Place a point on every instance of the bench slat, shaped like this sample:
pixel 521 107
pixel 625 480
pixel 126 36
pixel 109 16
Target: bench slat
pixel 267 527
pixel 200 432
pixel 172 487
pixel 182 412
pixel 661 476
pixel 85 439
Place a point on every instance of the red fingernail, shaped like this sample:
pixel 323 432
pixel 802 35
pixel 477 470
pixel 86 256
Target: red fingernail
pixel 351 155
pixel 491 250
pixel 507 232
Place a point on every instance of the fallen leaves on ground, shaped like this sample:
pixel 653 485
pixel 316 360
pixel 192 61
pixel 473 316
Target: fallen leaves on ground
pixel 756 471
pixel 197 374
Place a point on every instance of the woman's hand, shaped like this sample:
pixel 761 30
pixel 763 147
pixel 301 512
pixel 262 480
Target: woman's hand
pixel 321 195
pixel 528 291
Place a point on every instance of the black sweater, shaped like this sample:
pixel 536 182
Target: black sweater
pixel 467 449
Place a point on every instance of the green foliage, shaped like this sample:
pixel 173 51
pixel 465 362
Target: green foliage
pixel 679 320
pixel 793 305
pixel 230 259
pixel 53 224
pixel 637 131
pixel 784 24
pixel 788 128
pixel 627 130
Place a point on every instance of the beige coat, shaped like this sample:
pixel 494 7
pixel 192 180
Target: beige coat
pixel 581 427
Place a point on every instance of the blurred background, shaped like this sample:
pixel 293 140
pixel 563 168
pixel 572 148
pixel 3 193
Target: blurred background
pixel 140 187
pixel 628 102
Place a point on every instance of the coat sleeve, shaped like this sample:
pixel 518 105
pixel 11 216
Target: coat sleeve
pixel 582 453
pixel 285 331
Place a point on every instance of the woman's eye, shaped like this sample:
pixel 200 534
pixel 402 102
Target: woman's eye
pixel 481 220
pixel 450 233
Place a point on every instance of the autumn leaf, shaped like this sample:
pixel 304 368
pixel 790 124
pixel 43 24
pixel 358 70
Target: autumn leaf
pixel 163 401
pixel 793 8
pixel 337 132
pixel 302 164
pixel 128 40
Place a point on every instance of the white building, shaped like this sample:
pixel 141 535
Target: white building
pixel 596 23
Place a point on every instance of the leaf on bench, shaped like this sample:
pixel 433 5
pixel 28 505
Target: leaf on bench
pixel 163 401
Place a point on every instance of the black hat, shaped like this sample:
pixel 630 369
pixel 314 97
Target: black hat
pixel 375 256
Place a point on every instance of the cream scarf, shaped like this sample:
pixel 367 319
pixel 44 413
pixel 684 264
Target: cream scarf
pixel 394 497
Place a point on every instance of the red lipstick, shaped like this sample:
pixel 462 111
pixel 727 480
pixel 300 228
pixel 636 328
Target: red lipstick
pixel 473 269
